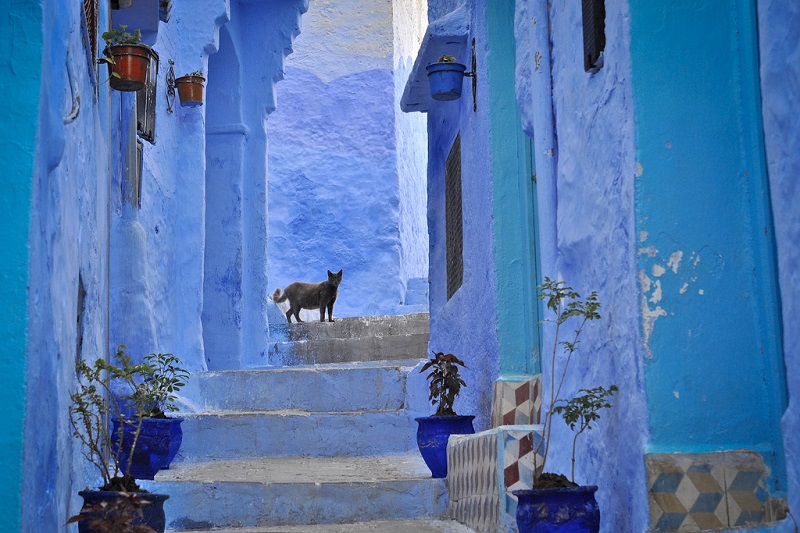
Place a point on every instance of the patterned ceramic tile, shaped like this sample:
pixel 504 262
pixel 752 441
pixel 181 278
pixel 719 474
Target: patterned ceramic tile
pixel 516 401
pixel 483 469
pixel 700 492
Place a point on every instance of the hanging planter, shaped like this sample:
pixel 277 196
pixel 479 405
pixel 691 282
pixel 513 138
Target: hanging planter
pixel 190 89
pixel 446 78
pixel 127 58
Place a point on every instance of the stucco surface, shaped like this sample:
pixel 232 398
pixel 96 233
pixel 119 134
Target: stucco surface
pixel 466 323
pixel 346 187
pixel 22 36
pixel 708 296
pixel 595 251
pixel 68 241
pixel 779 35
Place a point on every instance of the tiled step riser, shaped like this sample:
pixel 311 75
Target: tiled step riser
pixel 328 390
pixel 210 437
pixel 362 349
pixel 210 505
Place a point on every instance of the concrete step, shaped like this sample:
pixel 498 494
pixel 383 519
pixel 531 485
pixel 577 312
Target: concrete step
pixel 370 338
pixel 331 388
pixel 357 327
pixel 382 526
pixel 232 434
pixel 299 491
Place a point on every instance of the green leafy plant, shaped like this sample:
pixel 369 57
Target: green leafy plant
pixel 446 59
pixel 445 381
pixel 115 516
pixel 94 402
pixel 121 36
pixel 582 410
pixel 567 305
pixel 196 73
pixel 126 391
pixel 162 379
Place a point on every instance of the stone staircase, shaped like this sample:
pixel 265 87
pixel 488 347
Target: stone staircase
pixel 324 442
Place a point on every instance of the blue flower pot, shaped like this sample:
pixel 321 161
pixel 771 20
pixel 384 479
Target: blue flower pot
pixel 159 441
pixel 432 436
pixel 152 513
pixel 563 510
pixel 446 80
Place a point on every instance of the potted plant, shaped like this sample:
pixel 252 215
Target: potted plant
pixel 122 515
pixel 446 77
pixel 556 503
pixel 128 59
pixel 94 401
pixel 190 89
pixel 434 431
pixel 121 4
pixel 157 436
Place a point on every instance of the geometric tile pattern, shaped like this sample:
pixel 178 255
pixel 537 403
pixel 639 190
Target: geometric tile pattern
pixel 483 469
pixel 707 491
pixel 516 401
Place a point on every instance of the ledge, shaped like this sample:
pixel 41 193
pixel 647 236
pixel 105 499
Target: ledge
pixel 447 35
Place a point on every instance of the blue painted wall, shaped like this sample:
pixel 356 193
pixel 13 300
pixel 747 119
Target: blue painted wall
pixel 22 38
pixel 779 44
pixel 587 228
pixel 346 181
pixel 711 332
pixel 68 241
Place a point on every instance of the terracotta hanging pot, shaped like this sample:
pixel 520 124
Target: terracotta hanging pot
pixel 128 70
pixel 190 90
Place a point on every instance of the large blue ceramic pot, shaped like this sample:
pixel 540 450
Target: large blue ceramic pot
pixel 562 510
pixel 159 441
pixel 432 436
pixel 152 513
pixel 446 80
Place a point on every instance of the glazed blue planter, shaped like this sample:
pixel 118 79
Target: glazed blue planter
pixel 563 510
pixel 432 436
pixel 446 80
pixel 153 513
pixel 159 441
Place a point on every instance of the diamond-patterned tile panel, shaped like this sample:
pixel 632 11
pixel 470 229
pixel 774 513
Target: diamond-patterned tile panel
pixel 483 469
pixel 516 401
pixel 700 492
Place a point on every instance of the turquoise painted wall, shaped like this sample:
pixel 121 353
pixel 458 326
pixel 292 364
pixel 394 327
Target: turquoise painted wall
pixel 513 199
pixel 710 323
pixel 21 30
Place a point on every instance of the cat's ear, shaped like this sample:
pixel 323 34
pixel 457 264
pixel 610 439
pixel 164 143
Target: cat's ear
pixel 330 273
pixel 340 272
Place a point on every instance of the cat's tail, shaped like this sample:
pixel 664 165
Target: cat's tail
pixel 276 296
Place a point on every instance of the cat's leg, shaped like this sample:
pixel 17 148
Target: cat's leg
pixel 322 313
pixel 330 310
pixel 289 315
pixel 297 312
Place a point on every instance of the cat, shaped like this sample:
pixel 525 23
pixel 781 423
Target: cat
pixel 310 296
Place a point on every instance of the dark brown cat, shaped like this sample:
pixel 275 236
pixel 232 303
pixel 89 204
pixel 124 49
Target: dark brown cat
pixel 310 296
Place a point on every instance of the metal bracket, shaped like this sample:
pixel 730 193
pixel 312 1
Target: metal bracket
pixel 170 86
pixel 474 75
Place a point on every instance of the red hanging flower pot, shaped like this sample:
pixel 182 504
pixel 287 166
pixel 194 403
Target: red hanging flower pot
pixel 190 89
pixel 128 65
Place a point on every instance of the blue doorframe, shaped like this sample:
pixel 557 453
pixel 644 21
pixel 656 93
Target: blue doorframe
pixel 513 197
pixel 714 372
